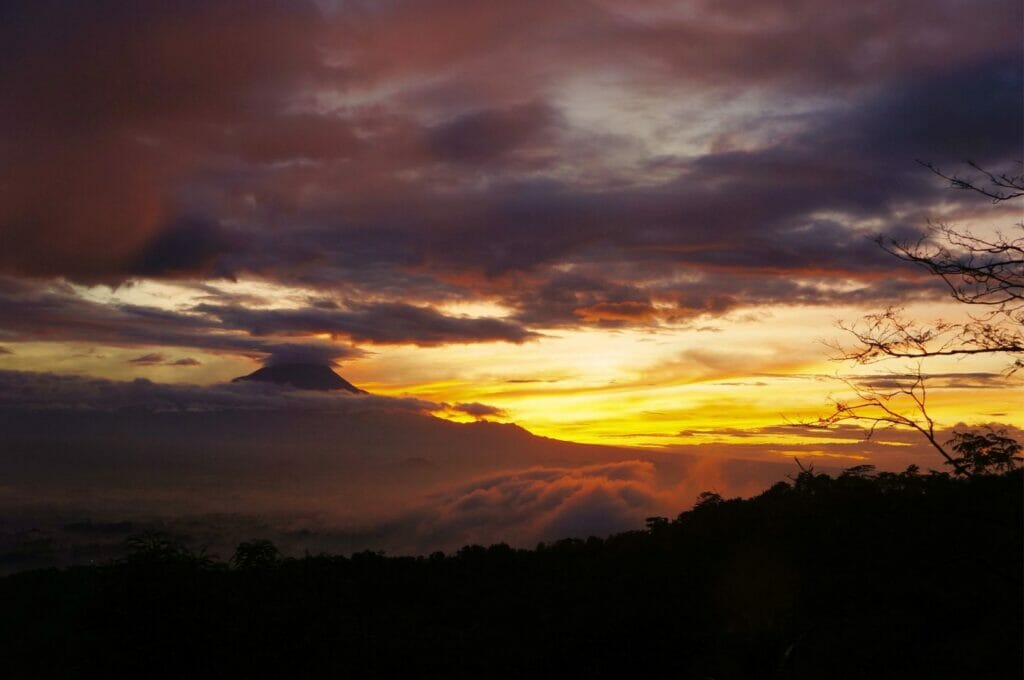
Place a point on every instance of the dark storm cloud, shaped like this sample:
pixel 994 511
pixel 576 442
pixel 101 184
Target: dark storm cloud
pixel 753 213
pixel 824 45
pixel 412 153
pixel 808 42
pixel 567 297
pixel 157 359
pixel 304 353
pixel 57 314
pixel 963 381
pixel 478 410
pixel 971 110
pixel 482 136
pixel 378 323
pixel 106 108
pixel 152 359
pixel 744 221
pixel 290 137
pixel 185 248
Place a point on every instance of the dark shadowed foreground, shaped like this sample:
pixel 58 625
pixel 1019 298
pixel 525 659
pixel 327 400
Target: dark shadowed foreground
pixel 860 576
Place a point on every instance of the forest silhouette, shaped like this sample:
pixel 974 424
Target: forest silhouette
pixel 864 574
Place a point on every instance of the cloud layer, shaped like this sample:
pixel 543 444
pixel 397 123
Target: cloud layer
pixel 313 471
pixel 401 156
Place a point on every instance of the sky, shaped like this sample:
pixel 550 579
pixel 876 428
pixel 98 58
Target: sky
pixel 613 222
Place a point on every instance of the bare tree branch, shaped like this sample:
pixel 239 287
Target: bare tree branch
pixel 1001 186
pixel 984 272
pixel 903 406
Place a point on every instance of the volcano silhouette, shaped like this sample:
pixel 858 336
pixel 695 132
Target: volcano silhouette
pixel 302 376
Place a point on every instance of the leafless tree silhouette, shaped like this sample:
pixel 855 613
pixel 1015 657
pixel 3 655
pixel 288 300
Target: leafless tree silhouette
pixel 999 187
pixel 903 405
pixel 986 273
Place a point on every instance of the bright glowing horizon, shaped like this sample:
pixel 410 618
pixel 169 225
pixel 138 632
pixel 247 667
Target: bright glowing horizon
pixel 726 382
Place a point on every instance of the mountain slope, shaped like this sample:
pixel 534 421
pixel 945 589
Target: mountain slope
pixel 302 376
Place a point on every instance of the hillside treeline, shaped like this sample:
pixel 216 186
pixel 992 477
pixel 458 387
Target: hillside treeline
pixel 860 575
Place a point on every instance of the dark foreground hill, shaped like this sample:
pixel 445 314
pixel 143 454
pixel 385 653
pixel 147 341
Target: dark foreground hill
pixel 860 576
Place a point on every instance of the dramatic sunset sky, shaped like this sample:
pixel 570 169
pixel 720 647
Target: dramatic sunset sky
pixel 606 221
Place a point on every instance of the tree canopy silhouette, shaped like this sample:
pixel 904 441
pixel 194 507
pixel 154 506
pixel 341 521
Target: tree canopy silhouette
pixel 861 575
